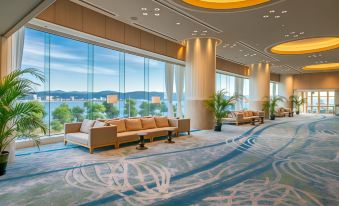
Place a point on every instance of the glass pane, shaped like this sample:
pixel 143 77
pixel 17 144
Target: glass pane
pixel 105 83
pixel 134 85
pixel 323 94
pixel 314 109
pixel 323 101
pixel 68 84
pixel 331 93
pixel 323 110
pixel 315 94
pixel 330 101
pixel 315 101
pixel 156 89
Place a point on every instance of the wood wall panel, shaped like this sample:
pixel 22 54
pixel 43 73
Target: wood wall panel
pixel 115 30
pixel 275 77
pixel 68 14
pixel 171 49
pixel 323 80
pixel 48 14
pixel 147 41
pixel 132 36
pixel 227 66
pixel 160 45
pixel 93 23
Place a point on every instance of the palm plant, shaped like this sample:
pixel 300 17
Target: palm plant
pixel 297 102
pixel 219 105
pixel 270 105
pixel 18 119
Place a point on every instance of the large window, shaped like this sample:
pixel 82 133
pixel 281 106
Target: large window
pixel 319 102
pixel 274 86
pixel 87 81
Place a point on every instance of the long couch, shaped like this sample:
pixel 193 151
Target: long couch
pixel 119 131
pixel 283 112
pixel 246 116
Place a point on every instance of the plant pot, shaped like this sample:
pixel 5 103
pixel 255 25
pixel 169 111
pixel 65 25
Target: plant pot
pixel 272 117
pixel 217 127
pixel 3 162
pixel 297 112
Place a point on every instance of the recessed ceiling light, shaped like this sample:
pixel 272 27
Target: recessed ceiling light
pixel 145 14
pixel 277 17
pixel 157 14
pixel 272 11
pixel 306 46
pixel 265 17
pixel 240 50
pixel 287 35
pixel 295 36
pixel 292 32
pixel 284 12
pixel 194 34
pixel 156 9
pixel 224 46
pixel 178 23
pixel 195 31
pixel 301 33
pixel 204 31
pixel 144 9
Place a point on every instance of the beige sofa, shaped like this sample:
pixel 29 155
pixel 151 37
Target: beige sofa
pixel 246 116
pixel 122 131
pixel 283 112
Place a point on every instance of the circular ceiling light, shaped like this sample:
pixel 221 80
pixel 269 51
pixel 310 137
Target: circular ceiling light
pixel 329 66
pixel 224 4
pixel 306 46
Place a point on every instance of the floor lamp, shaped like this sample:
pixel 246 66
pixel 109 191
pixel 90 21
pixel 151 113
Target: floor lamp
pixel 156 100
pixel 112 99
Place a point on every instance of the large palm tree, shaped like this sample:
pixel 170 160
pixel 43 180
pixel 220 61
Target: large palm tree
pixel 18 118
pixel 270 105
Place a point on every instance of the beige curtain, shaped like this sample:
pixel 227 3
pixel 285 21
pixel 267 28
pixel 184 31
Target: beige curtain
pixel 179 83
pixel 169 75
pixel 239 90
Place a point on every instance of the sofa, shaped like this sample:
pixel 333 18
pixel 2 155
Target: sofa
pixel 283 112
pixel 246 116
pixel 113 132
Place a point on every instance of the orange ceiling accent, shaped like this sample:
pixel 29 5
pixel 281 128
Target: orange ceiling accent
pixel 329 66
pixel 224 4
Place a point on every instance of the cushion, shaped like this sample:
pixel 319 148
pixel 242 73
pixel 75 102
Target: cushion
pixel 133 124
pixel 120 123
pixel 99 123
pixel 77 137
pixel 249 113
pixel 161 121
pixel 86 125
pixel 148 123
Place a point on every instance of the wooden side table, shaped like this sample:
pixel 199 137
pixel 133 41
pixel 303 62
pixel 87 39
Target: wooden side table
pixel 142 141
pixel 170 133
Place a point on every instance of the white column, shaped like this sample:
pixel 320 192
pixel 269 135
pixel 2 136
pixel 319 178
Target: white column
pixel 259 85
pixel 286 89
pixel 200 80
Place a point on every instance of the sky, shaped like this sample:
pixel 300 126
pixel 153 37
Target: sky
pixel 69 65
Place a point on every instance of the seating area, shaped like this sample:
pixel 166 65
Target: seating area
pixel 113 132
pixel 169 102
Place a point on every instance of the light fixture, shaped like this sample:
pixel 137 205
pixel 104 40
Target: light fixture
pixel 265 16
pixel 204 31
pixel 224 4
pixel 306 46
pixel 178 23
pixel 328 66
pixel 195 31
pixel 156 100
pixel 112 99
pixel 157 14
pixel 194 34
pixel 277 17
pixel 301 33
pixel 144 9
pixel 295 36
pixel 287 35
pixel 284 12
pixel 156 9
pixel 145 14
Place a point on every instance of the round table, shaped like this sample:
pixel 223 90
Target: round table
pixel 170 132
pixel 142 141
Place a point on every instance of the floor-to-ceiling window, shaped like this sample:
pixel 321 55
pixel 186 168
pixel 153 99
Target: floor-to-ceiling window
pixel 318 101
pixel 88 81
pixel 274 86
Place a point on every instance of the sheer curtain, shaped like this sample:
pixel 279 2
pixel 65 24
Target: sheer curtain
pixel 11 58
pixel 169 75
pixel 239 90
pixel 179 83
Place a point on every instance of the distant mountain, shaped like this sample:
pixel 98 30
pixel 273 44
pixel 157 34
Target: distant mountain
pixel 100 94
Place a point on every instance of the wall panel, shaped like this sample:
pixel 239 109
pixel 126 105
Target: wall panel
pixel 231 67
pixel 93 23
pixel 115 30
pixel 48 14
pixel 146 41
pixel 323 80
pixel 68 14
pixel 160 45
pixel 132 36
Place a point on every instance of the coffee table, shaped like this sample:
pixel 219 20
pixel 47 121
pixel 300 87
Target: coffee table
pixel 253 121
pixel 170 132
pixel 142 141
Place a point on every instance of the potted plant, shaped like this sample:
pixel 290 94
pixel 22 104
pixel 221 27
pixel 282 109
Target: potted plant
pixel 219 104
pixel 18 119
pixel 270 106
pixel 297 102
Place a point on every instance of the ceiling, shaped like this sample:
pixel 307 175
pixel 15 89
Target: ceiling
pixel 247 34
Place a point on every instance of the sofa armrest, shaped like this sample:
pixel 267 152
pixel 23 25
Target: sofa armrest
pixel 239 116
pixel 72 127
pixel 183 125
pixel 261 113
pixel 101 136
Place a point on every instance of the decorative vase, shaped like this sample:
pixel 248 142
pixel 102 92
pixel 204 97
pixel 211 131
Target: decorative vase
pixel 217 127
pixel 272 117
pixel 3 162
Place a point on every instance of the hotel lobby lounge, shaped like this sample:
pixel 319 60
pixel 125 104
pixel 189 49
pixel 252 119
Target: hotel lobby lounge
pixel 169 102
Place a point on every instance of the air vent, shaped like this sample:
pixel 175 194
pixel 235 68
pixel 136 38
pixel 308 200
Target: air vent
pixel 90 5
pixel 182 13
pixel 256 50
pixel 230 60
pixel 153 31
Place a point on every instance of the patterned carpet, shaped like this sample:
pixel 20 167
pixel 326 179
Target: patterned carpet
pixel 290 161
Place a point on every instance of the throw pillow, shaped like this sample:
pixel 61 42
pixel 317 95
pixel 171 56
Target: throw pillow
pixel 148 123
pixel 86 125
pixel 99 124
pixel 133 124
pixel 120 123
pixel 161 121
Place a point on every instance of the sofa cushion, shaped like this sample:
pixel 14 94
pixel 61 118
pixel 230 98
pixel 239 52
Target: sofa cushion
pixel 161 121
pixel 249 113
pixel 148 123
pixel 98 123
pixel 86 125
pixel 120 123
pixel 79 137
pixel 133 124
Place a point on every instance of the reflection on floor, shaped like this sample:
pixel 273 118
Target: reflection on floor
pixel 290 161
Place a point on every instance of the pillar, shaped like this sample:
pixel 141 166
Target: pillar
pixel 200 80
pixel 259 85
pixel 286 89
pixel 336 102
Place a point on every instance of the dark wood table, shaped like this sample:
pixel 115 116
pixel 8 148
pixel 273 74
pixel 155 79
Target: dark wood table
pixel 142 141
pixel 253 121
pixel 170 133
